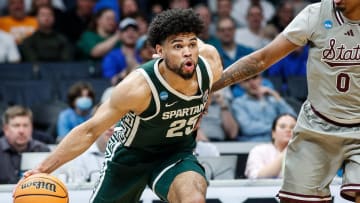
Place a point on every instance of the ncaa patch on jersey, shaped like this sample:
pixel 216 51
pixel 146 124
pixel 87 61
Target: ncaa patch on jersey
pixel 164 95
pixel 328 24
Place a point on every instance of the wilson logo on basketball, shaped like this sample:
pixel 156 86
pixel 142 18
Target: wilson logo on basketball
pixel 40 184
pixel 338 55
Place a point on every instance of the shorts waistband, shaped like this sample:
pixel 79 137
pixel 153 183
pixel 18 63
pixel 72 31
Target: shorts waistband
pixel 333 122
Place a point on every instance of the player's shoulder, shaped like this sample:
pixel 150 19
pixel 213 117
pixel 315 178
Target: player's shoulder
pixel 313 8
pixel 136 77
pixel 133 90
pixel 208 50
pixel 212 56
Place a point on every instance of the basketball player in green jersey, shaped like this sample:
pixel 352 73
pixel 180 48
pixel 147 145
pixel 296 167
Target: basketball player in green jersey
pixel 158 106
pixel 327 134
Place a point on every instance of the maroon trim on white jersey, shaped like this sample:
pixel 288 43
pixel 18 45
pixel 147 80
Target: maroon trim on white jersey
pixel 353 188
pixel 300 198
pixel 333 122
pixel 338 16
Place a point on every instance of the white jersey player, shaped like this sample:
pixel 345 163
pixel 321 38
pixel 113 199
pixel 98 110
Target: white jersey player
pixel 327 134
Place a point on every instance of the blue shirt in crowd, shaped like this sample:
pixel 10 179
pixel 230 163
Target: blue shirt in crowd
pixel 255 116
pixel 115 62
pixel 68 119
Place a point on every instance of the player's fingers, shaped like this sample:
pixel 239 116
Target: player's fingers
pixel 30 172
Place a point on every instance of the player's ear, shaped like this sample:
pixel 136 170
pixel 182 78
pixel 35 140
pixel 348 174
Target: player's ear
pixel 159 50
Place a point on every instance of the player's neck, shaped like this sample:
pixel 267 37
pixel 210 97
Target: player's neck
pixel 354 15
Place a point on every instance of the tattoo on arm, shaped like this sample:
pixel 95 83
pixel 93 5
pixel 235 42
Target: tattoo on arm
pixel 238 71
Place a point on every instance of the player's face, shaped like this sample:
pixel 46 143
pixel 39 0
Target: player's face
pixel 350 8
pixel 180 53
pixel 18 131
pixel 283 130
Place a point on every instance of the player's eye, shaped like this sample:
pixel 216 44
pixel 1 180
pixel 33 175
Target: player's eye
pixel 192 45
pixel 177 46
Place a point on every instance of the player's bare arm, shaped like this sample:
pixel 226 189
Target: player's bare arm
pixel 255 62
pixel 132 94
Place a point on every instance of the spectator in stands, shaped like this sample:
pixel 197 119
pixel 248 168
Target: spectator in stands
pixel 256 110
pixel 76 20
pixel 223 9
pixel 118 62
pixel 145 52
pixel 58 4
pixel 229 50
pixel 86 167
pixel 113 5
pixel 284 15
pixel 18 23
pixel 80 98
pixel 58 14
pixel 128 8
pixel 293 64
pixel 238 91
pixel 143 23
pixel 183 4
pixel 46 44
pixel 3 5
pixel 240 11
pixel 266 160
pixel 219 124
pixel 156 8
pixel 144 49
pixel 207 35
pixel 17 128
pixel 251 35
pixel 9 52
pixel 102 36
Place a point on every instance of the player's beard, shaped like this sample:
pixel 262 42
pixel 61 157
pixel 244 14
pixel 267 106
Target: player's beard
pixel 179 70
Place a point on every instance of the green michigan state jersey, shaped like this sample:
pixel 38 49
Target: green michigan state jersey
pixel 168 123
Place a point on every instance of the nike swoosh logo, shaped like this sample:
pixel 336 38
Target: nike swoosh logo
pixel 171 104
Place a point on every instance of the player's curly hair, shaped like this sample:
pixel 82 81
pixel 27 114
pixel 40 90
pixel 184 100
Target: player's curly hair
pixel 172 22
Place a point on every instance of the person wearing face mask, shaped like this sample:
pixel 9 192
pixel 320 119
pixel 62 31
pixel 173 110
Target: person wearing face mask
pixel 80 98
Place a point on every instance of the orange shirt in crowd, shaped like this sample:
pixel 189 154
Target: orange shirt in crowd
pixel 19 29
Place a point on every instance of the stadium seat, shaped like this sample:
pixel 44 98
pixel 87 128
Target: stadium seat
pixel 277 82
pixel 46 116
pixel 219 168
pixel 297 87
pixel 27 92
pixel 60 71
pixel 17 71
pixel 294 103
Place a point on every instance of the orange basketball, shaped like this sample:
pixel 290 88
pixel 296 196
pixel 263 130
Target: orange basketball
pixel 41 188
